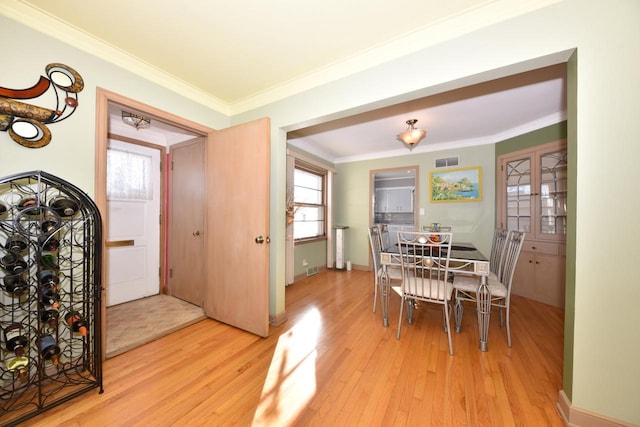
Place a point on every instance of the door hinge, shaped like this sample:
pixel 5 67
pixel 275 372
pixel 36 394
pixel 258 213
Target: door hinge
pixel 170 273
pixel 159 272
pixel 160 219
pixel 171 164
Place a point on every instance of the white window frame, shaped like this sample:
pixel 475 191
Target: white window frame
pixel 322 173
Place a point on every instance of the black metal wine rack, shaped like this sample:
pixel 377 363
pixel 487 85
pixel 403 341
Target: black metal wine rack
pixel 50 267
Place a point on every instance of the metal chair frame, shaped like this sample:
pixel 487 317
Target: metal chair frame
pixel 499 290
pixel 424 259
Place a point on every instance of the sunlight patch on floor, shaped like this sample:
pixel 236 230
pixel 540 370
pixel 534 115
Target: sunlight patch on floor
pixel 291 380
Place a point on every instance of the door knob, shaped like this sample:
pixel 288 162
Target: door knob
pixel 196 233
pixel 259 239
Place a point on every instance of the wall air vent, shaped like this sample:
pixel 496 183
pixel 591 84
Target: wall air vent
pixel 311 271
pixel 446 162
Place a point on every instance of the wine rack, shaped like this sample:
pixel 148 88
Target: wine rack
pixel 50 311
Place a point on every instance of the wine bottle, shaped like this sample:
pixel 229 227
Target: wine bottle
pixel 49 223
pixel 50 298
pixel 64 206
pixel 13 263
pixel 20 365
pixel 49 349
pixel 77 323
pixel 9 259
pixel 15 339
pixel 49 280
pixel 16 285
pixel 48 243
pixel 49 315
pixel 27 202
pixel 49 260
pixel 16 243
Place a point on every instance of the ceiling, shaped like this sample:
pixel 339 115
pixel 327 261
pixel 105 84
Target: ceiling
pixel 474 115
pixel 233 56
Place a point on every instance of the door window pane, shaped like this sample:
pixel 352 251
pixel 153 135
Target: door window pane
pixel 553 192
pixel 128 175
pixel 519 194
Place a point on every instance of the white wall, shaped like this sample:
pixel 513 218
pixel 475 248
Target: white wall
pixel 70 154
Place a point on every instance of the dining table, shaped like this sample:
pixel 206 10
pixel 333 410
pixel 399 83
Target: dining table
pixel 464 258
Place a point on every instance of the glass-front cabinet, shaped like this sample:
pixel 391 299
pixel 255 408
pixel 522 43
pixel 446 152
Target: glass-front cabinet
pixel 532 197
pixel 534 190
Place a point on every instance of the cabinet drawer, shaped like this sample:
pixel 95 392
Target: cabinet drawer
pixel 544 248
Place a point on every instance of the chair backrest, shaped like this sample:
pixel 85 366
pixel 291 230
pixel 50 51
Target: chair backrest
pixel 512 253
pixel 384 236
pixel 425 264
pixel 498 247
pixel 375 241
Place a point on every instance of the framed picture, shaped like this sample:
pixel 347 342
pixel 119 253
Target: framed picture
pixel 457 185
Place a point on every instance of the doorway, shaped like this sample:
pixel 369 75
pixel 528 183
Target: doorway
pixel 109 123
pixel 394 200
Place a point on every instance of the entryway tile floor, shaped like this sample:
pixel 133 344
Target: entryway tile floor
pixel 138 322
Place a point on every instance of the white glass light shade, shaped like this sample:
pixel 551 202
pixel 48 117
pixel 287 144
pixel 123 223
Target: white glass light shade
pixel 135 120
pixel 412 136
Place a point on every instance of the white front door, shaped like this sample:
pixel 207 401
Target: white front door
pixel 133 235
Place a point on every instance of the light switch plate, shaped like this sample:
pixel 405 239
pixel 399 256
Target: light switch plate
pixel 421 211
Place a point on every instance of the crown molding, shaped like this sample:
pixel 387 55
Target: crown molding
pixel 485 14
pixel 51 26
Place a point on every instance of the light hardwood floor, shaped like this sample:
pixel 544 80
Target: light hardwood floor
pixel 333 364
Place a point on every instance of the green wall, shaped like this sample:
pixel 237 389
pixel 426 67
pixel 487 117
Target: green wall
pixel 469 219
pixel 314 252
pixel 472 221
pixel 531 139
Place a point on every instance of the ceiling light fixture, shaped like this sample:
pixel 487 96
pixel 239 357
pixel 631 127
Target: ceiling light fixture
pixel 135 120
pixel 411 136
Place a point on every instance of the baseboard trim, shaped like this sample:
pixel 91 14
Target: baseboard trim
pixel 277 319
pixel 577 417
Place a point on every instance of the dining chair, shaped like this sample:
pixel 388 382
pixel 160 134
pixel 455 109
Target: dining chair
pixel 384 234
pixel 499 289
pixel 424 262
pixel 376 242
pixel 496 258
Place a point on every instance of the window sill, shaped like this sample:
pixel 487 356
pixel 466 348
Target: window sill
pixel 309 240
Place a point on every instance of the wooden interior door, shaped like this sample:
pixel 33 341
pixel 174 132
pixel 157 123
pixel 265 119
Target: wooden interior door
pixel 237 271
pixel 186 216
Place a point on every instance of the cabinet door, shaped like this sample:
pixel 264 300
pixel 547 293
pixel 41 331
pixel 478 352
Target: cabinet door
pixel 517 193
pixel 533 191
pixel 549 279
pixel 552 194
pixel 382 200
pixel 524 276
pixel 405 199
pixel 398 199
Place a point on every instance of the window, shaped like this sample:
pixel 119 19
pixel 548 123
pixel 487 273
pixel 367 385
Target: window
pixel 128 175
pixel 309 202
